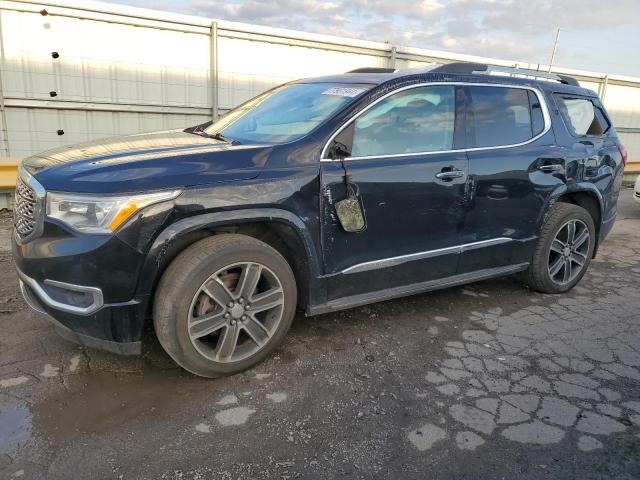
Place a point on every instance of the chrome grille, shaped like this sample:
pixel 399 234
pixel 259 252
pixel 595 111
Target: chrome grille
pixel 26 203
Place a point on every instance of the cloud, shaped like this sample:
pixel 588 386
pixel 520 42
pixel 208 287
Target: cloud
pixel 535 16
pixel 277 13
pixel 521 30
pixel 423 9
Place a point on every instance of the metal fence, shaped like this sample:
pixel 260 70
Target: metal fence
pixel 72 71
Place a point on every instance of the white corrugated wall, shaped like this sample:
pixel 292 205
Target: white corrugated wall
pixel 78 70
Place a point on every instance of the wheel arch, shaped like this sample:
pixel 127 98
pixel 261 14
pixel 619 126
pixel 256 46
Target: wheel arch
pixel 584 195
pixel 280 229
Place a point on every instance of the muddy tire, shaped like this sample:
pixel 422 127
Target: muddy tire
pixel 224 304
pixel 564 250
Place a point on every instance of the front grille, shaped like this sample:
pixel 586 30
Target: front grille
pixel 26 211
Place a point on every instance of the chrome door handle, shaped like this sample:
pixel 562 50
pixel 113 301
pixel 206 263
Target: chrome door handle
pixel 450 174
pixel 550 168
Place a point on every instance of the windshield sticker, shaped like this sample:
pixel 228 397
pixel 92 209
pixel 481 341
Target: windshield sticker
pixel 343 91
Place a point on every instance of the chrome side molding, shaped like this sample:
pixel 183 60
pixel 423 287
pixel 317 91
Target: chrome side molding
pixel 393 261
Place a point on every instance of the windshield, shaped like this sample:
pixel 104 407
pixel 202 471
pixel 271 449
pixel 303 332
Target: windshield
pixel 285 113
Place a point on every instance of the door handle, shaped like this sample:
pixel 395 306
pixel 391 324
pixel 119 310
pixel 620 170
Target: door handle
pixel 450 174
pixel 550 168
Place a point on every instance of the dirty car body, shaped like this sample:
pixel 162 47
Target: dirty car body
pixel 469 205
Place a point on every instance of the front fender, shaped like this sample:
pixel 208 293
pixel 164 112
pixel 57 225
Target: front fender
pixel 156 260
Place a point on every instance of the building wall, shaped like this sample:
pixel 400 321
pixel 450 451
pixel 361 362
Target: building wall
pixel 120 70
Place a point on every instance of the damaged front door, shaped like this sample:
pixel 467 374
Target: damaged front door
pixel 395 164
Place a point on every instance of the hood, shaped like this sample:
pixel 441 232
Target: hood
pixel 142 162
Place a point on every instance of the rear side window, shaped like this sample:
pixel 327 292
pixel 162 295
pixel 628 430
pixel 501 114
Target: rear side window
pixel 415 120
pixel 503 116
pixel 537 117
pixel 581 116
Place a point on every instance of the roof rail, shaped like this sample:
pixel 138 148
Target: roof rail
pixel 372 70
pixel 469 68
pixel 461 67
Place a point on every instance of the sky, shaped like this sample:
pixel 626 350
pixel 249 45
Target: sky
pixel 596 35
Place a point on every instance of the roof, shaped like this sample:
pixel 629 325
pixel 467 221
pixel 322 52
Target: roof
pixel 432 75
pixel 361 78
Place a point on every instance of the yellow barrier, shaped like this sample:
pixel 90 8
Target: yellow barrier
pixel 8 176
pixel 633 166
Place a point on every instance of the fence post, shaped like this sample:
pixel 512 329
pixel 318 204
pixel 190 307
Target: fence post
pixel 392 57
pixel 603 88
pixel 4 128
pixel 213 69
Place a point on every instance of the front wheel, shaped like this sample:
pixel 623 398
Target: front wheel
pixel 564 250
pixel 224 304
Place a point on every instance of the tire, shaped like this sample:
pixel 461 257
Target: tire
pixel 556 247
pixel 192 324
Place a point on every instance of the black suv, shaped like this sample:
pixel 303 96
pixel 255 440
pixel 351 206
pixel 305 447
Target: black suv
pixel 322 194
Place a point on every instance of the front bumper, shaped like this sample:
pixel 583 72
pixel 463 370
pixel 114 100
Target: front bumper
pixel 87 285
pixel 83 330
pixel 108 327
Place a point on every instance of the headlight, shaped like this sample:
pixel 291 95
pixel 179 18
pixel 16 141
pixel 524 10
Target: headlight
pixel 99 214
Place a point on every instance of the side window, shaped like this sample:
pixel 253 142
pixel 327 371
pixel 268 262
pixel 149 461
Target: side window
pixel 503 116
pixel 537 117
pixel 415 120
pixel 581 116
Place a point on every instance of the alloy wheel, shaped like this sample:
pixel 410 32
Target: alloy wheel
pixel 568 252
pixel 235 312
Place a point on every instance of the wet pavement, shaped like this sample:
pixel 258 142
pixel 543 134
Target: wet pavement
pixel 488 380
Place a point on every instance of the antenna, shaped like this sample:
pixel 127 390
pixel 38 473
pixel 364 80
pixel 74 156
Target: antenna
pixel 555 50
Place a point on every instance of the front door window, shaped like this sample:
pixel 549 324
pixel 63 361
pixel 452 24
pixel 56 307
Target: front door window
pixel 415 120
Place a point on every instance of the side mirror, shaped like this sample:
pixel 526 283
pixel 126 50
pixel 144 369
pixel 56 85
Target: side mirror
pixel 338 150
pixel 340 146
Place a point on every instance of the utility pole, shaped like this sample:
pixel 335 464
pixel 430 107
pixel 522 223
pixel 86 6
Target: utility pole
pixel 555 50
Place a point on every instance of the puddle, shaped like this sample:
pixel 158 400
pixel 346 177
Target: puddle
pixel 15 426
pixel 103 402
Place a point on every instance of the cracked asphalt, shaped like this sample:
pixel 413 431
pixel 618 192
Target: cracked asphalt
pixel 488 380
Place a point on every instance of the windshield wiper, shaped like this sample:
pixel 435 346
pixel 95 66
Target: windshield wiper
pixel 200 130
pixel 220 136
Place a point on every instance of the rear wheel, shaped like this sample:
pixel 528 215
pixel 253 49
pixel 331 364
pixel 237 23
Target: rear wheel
pixel 564 250
pixel 224 304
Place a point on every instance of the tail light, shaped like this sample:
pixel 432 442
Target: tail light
pixel 624 153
